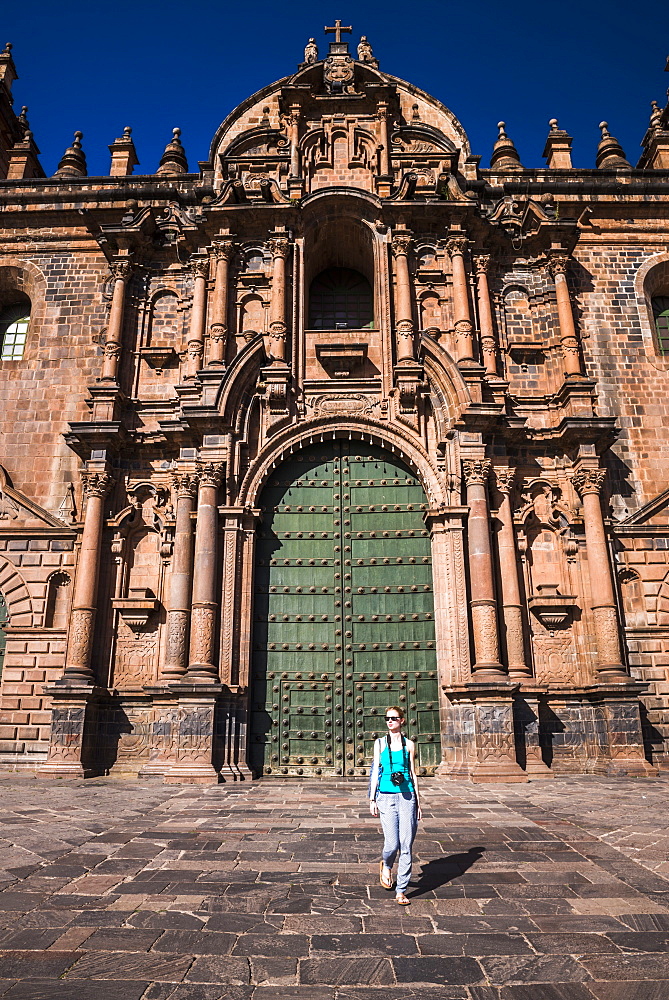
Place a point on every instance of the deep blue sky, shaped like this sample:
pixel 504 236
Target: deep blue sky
pixel 153 65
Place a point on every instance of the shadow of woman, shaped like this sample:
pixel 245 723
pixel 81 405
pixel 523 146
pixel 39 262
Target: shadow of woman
pixel 440 871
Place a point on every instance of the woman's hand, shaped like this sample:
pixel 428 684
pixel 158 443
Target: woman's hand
pixel 373 808
pixel 419 811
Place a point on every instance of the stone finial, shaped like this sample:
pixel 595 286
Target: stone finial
pixel 610 154
pixel 22 120
pixel 504 153
pixel 173 161
pixel 7 70
pixel 123 154
pixel 655 123
pixel 73 161
pixel 557 151
pixel 311 52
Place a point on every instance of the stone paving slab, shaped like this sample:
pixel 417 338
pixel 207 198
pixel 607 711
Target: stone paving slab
pixel 269 891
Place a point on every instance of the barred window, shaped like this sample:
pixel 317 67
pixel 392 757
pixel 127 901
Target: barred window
pixel 341 299
pixel 14 323
pixel 661 317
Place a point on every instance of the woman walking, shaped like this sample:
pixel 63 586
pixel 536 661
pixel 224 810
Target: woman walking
pixel 393 795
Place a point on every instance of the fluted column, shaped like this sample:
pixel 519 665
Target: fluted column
pixel 279 246
pixel 84 605
pixel 508 566
pixel 557 266
pixel 121 271
pixel 203 619
pixel 218 321
pixel 200 271
pixel 462 316
pixel 483 603
pixel 403 298
pixel 486 328
pixel 588 483
pixel 181 580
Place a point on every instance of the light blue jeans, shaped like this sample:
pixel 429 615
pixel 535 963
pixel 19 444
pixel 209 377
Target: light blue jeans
pixel 398 814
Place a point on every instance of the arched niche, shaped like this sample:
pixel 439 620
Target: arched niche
pixel 631 592
pixel 165 320
pixel 58 600
pixel 651 285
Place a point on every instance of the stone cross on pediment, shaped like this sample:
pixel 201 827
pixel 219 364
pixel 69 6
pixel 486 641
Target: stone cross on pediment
pixel 337 31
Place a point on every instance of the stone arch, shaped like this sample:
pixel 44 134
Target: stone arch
pixel 58 600
pixel 392 439
pixel 165 321
pixel 651 279
pixel 17 596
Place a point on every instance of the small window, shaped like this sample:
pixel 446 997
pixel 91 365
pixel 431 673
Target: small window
pixel 341 299
pixel 14 322
pixel 661 317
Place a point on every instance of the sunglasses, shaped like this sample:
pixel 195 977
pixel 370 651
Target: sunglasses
pixel 393 718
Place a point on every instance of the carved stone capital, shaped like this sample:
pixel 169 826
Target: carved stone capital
pixel 199 267
pixel 481 263
pixel 456 246
pixel 504 479
pixel 401 244
pixel 184 484
pixel 223 249
pixel 476 471
pixel 210 474
pixel 111 349
pixel 589 481
pixel 96 484
pixel 558 264
pixel 464 329
pixel 404 328
pixel 121 270
pixel 277 330
pixel 570 346
pixel 279 246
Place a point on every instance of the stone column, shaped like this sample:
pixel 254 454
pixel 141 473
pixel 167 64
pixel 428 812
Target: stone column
pixel 200 270
pixel 588 483
pixel 279 246
pixel 218 325
pixel 293 127
pixel 181 581
pixel 483 604
pixel 384 145
pixel 403 303
pixel 464 331
pixel 205 605
pixel 557 266
pixel 487 330
pixel 121 271
pixel 508 565
pixel 84 604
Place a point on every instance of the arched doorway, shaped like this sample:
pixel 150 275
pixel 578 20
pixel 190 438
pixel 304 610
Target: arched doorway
pixel 343 613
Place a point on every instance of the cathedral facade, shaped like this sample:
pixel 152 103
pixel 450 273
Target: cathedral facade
pixel 342 420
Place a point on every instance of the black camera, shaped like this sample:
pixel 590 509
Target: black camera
pixel 397 777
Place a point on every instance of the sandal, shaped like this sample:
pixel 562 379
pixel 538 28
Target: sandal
pixel 402 900
pixel 385 884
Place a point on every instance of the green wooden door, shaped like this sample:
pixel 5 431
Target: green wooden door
pixel 343 613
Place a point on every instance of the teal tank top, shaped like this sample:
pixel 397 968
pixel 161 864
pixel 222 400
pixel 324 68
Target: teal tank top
pixel 394 761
